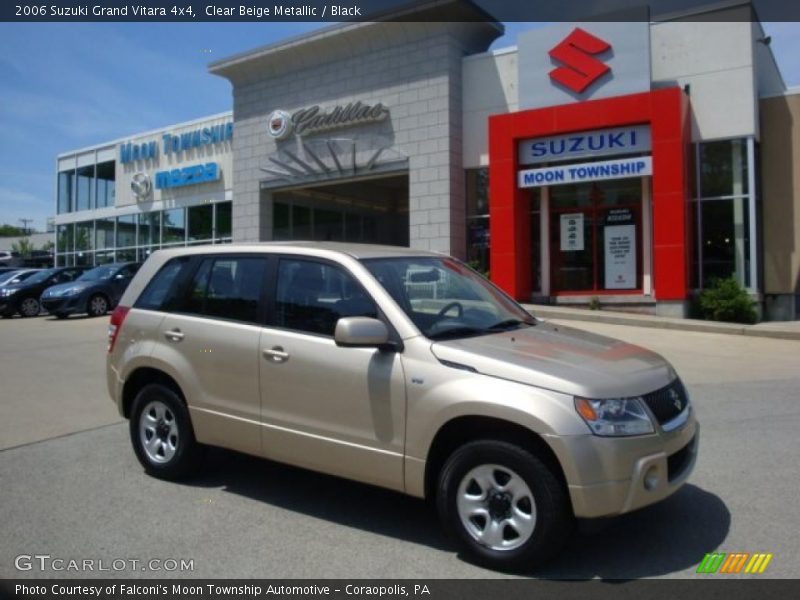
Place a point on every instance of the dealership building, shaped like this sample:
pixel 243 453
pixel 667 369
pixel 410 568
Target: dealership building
pixel 631 163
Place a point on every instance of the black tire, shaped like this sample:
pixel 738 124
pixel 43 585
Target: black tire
pixel 553 521
pixel 187 454
pixel 30 307
pixel 97 306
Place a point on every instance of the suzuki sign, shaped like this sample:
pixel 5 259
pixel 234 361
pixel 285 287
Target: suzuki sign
pixel 569 62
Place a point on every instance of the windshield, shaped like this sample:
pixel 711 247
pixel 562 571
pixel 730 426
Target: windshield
pixel 445 299
pixel 98 274
pixel 41 276
pixel 15 276
pixel 6 277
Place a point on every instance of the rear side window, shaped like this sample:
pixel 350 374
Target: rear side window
pixel 227 288
pixel 161 292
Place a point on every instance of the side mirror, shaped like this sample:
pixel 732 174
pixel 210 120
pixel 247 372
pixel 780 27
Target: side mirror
pixel 360 332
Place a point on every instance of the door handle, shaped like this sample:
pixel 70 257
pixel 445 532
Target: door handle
pixel 276 354
pixel 174 335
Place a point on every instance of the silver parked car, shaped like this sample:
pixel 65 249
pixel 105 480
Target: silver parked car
pixel 402 369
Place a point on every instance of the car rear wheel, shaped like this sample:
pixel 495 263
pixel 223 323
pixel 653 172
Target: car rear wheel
pixel 98 306
pixel 30 307
pixel 161 433
pixel 503 505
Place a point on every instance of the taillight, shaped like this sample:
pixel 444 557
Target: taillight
pixel 117 317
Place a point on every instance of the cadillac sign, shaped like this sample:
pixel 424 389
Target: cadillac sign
pixel 313 119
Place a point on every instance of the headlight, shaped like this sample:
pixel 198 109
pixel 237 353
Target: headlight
pixel 69 291
pixel 615 416
pixel 7 292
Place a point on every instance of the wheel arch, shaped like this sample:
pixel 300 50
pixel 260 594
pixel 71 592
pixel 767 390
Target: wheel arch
pixel 141 377
pixel 464 429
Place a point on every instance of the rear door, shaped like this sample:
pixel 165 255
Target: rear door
pixel 324 407
pixel 211 341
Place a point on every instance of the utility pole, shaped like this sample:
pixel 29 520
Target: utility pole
pixel 25 225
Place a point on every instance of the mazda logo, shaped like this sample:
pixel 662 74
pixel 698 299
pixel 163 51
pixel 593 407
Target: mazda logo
pixel 141 185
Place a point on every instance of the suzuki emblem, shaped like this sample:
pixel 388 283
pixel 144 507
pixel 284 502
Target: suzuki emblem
pixel 576 52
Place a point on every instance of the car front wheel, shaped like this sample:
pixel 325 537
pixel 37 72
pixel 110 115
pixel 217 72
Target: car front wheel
pixel 161 433
pixel 30 307
pixel 98 306
pixel 503 505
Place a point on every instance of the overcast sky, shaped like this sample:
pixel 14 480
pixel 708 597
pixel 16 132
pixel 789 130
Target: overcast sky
pixel 65 86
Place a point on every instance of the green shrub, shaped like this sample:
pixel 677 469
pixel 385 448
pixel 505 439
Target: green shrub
pixel 727 300
pixel 594 303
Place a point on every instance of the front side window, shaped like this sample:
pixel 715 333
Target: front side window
pixel 312 296
pixel 445 299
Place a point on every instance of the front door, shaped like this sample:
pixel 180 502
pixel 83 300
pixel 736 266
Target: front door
pixel 324 407
pixel 595 237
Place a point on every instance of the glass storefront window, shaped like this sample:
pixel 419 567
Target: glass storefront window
pixel 66 191
pixel 201 222
pixel 477 207
pixel 84 235
pixel 174 226
pixel 725 240
pixel 224 219
pixel 104 231
pixel 102 258
pixel 85 181
pixel 328 225
pixel 105 184
pixel 723 168
pixel 65 238
pixel 301 222
pixel 126 231
pixel 149 229
pixel 281 226
pixel 595 236
pixel 722 222
pixel 127 255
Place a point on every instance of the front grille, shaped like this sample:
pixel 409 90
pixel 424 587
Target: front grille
pixel 677 462
pixel 668 402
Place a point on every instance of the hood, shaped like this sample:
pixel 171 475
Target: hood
pixel 562 359
pixel 59 288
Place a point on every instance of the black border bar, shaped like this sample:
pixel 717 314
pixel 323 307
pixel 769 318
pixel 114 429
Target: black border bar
pixel 330 11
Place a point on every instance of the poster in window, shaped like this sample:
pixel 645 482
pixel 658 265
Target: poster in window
pixel 619 236
pixel 572 232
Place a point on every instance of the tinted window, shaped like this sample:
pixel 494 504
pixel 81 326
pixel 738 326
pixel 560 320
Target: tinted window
pixel 227 288
pixel 161 291
pixel 313 296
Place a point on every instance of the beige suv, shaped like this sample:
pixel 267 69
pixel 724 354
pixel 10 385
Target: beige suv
pixel 403 369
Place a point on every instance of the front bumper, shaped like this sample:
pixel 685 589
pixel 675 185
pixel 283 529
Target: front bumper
pixel 65 305
pixel 612 476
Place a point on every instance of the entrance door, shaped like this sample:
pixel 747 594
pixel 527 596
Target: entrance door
pixel 595 237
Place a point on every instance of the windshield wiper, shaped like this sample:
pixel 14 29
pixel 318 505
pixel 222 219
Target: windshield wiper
pixel 456 332
pixel 509 324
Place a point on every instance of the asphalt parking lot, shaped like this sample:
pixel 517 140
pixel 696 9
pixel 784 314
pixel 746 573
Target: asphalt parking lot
pixel 71 488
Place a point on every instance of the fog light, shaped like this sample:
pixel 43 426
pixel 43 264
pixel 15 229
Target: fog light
pixel 651 479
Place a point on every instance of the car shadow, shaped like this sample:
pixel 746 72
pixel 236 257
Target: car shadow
pixel 338 500
pixel 665 538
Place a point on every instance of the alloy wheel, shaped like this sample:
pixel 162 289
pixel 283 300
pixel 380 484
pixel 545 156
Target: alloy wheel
pixel 496 507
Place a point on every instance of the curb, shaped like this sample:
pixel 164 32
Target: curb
pixel 617 318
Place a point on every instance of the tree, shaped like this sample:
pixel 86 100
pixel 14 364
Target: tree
pixel 23 246
pixel 7 230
